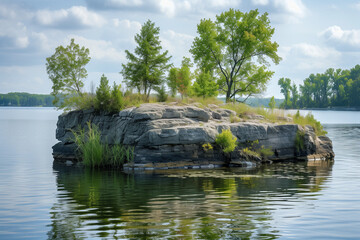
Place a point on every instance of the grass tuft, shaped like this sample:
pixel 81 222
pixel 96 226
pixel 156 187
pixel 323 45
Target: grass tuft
pixel 96 154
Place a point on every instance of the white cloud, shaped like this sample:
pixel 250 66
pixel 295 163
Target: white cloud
pixel 167 7
pixel 292 7
pixel 74 17
pixel 260 2
pixel 22 42
pixel 342 39
pixel 283 11
pixel 13 35
pixel 99 49
pixel 310 57
pixel 111 4
pixel 6 12
pixel 133 25
pixel 223 3
pixel 178 44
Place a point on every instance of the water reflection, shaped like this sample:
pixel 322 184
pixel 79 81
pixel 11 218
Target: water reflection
pixel 213 204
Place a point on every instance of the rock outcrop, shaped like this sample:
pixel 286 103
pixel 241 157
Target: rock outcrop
pixel 172 136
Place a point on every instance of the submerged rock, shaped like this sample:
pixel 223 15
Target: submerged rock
pixel 172 137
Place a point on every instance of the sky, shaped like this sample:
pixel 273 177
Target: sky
pixel 312 35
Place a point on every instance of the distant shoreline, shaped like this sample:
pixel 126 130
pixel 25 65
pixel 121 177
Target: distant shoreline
pixel 350 109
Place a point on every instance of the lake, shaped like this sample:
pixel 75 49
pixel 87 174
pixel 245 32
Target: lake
pixel 39 200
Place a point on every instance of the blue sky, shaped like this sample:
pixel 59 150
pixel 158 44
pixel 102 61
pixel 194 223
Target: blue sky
pixel 313 35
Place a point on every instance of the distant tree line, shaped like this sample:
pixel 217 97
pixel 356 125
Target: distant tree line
pixel 333 88
pixel 26 100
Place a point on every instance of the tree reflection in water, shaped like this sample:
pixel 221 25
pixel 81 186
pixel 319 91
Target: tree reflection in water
pixel 193 204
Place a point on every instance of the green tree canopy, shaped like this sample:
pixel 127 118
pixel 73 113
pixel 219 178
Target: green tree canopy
pixel 228 46
pixel 272 103
pixel 179 79
pixel 66 69
pixel 171 81
pixel 205 85
pixel 184 77
pixel 103 94
pixel 285 88
pixel 145 68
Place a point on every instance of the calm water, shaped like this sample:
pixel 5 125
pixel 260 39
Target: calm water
pixel 316 200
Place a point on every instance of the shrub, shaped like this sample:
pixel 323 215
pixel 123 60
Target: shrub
pixel 86 101
pixel 250 152
pixel 103 95
pixel 252 149
pixel 309 120
pixel 117 102
pixel 161 94
pixel 226 140
pixel 265 152
pixel 207 147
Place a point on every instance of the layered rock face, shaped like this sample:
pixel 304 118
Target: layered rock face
pixel 172 136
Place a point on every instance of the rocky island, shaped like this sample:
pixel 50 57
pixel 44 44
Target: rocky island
pixel 166 136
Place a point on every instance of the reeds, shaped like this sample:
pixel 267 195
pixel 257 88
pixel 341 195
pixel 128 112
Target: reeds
pixel 96 154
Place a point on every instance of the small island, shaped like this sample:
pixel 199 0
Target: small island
pixel 118 128
pixel 168 136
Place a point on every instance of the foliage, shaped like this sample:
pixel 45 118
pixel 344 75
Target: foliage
pixel 145 68
pixel 252 149
pixel 228 46
pixel 309 120
pixel 171 81
pixel 226 140
pixel 117 102
pixel 26 99
pixel 179 79
pixel 272 103
pixel 249 152
pixel 86 101
pixel 205 85
pixel 285 86
pixel 207 147
pixel 103 95
pixel 107 99
pixel 265 152
pixel 66 69
pixel 89 145
pixel 299 140
pixel 161 94
pixel 333 88
pixel 96 154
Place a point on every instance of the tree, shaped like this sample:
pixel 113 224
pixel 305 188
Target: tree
pixel 294 96
pixel 184 77
pixel 285 85
pixel 103 95
pixel 171 81
pixel 228 46
pixel 66 69
pixel 145 68
pixel 272 103
pixel 205 85
pixel 116 100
